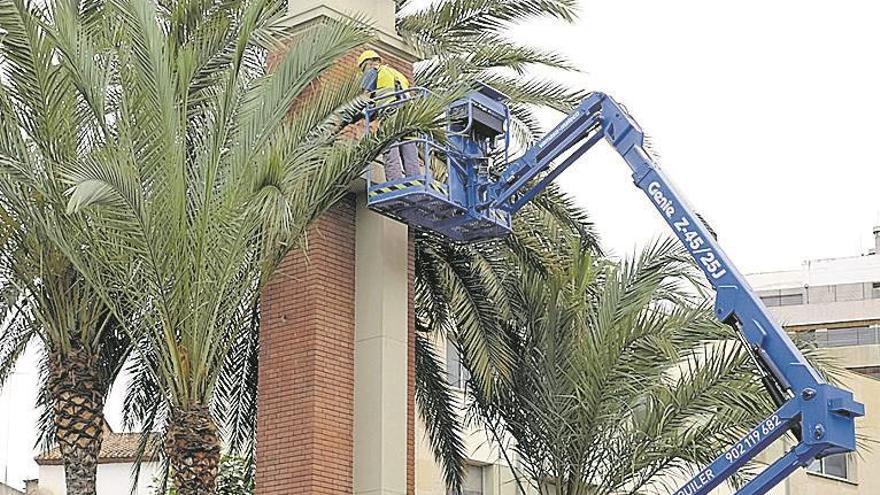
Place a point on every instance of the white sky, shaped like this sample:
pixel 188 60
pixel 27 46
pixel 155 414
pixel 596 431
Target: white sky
pixel 763 114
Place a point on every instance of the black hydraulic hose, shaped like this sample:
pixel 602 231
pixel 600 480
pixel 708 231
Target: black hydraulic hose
pixel 771 384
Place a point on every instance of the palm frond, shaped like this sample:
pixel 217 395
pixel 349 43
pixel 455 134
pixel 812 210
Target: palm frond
pixel 437 408
pixel 622 378
pixel 442 24
pixel 235 396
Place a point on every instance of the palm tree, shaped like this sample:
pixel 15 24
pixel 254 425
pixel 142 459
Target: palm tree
pixel 463 293
pixel 46 122
pixel 533 244
pixel 204 185
pixel 81 346
pixel 623 380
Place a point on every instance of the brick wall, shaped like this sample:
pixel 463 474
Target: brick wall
pixel 306 407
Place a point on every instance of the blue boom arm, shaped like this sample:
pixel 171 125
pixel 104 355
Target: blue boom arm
pixel 821 415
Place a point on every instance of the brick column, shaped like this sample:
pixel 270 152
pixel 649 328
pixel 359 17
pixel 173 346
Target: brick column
pixel 305 414
pixel 307 438
pixel 411 367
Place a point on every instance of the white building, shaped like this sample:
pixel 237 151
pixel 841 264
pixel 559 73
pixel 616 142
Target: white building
pixel 836 303
pixel 115 468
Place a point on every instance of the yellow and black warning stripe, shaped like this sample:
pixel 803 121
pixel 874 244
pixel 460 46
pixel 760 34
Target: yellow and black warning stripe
pixel 396 187
pixel 437 186
pixel 440 188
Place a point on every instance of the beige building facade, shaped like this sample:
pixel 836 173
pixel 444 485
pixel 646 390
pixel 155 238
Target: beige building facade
pixel 488 471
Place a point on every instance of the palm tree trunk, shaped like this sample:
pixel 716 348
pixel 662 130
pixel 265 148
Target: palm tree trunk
pixel 193 450
pixel 78 414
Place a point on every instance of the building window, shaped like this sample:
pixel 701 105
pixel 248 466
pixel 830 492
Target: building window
pixel 791 299
pixel 770 301
pixel 778 299
pixel 837 466
pixel 472 484
pixel 847 337
pixel 875 290
pixel 456 373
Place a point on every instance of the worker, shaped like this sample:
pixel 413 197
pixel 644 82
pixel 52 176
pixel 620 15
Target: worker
pixel 382 79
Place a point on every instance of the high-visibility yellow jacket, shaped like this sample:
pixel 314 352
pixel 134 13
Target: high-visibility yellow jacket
pixel 384 79
pixel 391 78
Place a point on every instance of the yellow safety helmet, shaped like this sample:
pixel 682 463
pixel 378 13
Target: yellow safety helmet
pixel 367 55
